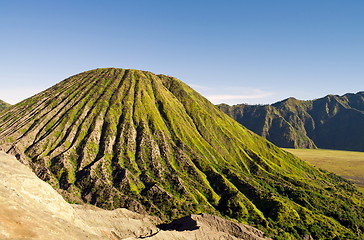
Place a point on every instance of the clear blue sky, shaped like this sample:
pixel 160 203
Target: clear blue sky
pixel 230 51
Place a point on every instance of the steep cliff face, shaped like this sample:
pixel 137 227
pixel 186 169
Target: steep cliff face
pixel 127 138
pixel 284 130
pixel 333 122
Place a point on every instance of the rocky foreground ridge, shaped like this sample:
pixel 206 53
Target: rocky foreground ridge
pixel 32 209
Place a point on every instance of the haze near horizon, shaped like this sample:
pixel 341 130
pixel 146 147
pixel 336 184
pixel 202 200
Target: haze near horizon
pixel 237 52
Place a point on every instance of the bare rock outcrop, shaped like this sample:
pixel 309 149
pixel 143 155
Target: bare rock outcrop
pixel 32 209
pixel 209 227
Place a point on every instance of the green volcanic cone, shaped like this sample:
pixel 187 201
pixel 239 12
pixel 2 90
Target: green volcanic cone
pixel 128 138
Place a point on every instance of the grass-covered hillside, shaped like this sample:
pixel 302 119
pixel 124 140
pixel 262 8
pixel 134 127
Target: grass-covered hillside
pixel 331 122
pixel 3 105
pixel 127 138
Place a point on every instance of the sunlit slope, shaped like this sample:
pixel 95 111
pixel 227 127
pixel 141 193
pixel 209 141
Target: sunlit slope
pixel 343 163
pixel 128 138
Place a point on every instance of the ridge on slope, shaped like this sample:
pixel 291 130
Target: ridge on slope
pixel 331 122
pixel 32 209
pixel 127 138
pixel 3 105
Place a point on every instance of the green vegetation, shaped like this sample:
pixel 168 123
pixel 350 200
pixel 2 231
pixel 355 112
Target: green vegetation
pixel 347 164
pixel 3 105
pixel 332 122
pixel 128 138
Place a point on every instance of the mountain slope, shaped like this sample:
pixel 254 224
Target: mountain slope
pixel 31 209
pixel 127 138
pixel 3 105
pixel 332 122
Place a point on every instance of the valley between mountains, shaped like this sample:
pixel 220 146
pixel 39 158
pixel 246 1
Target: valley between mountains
pixel 123 138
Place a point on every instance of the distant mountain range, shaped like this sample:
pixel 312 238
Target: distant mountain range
pixel 331 122
pixel 3 105
pixel 150 143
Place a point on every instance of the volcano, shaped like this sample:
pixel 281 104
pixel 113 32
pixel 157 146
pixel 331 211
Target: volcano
pixel 129 138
